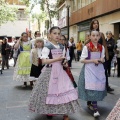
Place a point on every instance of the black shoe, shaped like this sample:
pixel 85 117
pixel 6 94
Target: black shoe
pixel 49 117
pixel 109 89
pixel 109 75
pixel 118 75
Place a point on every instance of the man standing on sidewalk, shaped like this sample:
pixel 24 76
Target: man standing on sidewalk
pixel 79 49
pixel 36 34
pixel 5 51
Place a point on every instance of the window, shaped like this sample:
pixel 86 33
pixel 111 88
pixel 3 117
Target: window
pixel 21 15
pixel 83 3
pixel 88 2
pixel 73 5
pixel 79 4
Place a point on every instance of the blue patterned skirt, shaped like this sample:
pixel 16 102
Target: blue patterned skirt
pixel 88 95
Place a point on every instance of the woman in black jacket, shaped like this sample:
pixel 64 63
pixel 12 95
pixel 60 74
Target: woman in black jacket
pixel 5 52
pixel 110 42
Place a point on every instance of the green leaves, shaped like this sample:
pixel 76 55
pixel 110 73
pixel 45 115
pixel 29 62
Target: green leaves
pixel 26 2
pixel 42 16
pixel 7 12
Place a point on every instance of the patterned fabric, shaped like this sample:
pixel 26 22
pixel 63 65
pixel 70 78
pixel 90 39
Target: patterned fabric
pixel 38 96
pixel 115 113
pixel 23 65
pixel 59 92
pixel 89 95
pixel 92 48
pixel 21 78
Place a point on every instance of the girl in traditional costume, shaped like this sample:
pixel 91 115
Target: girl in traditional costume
pixel 95 26
pixel 36 59
pixel 54 92
pixel 23 65
pixel 91 84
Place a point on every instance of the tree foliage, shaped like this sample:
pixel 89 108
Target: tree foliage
pixel 39 17
pixel 7 13
pixel 48 6
pixel 59 2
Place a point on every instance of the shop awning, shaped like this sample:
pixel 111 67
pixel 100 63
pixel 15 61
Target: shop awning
pixel 117 21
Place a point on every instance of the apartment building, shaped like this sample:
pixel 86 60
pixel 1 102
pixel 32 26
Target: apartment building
pixel 83 11
pixel 20 25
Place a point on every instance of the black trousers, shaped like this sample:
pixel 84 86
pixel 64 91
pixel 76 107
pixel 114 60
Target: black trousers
pixel 5 61
pixel 109 65
pixel 118 67
pixel 71 58
pixel 106 74
pixel 78 55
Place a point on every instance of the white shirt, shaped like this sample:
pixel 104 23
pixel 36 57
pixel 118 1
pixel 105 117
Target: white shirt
pixel 118 48
pixel 15 53
pixel 84 54
pixel 46 51
pixel 70 44
pixel 33 43
pixel 26 43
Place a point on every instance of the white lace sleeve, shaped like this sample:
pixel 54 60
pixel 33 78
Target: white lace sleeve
pixel 84 54
pixel 45 53
pixel 103 52
pixel 66 53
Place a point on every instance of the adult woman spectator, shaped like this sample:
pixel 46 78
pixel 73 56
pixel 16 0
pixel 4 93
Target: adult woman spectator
pixel 63 41
pixel 5 52
pixel 110 42
pixel 95 26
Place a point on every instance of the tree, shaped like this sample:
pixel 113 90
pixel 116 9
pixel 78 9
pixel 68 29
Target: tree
pixel 39 17
pixel 7 13
pixel 50 9
pixel 48 6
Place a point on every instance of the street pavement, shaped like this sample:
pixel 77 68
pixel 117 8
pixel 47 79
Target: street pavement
pixel 14 99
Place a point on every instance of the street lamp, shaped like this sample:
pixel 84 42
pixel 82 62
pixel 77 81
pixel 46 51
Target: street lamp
pixel 67 3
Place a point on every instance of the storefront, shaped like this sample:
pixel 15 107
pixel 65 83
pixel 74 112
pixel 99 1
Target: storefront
pixel 64 31
pixel 83 28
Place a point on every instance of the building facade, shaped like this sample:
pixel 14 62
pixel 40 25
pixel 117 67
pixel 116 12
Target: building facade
pixel 83 11
pixel 21 24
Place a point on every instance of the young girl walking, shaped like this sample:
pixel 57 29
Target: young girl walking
pixel 91 84
pixel 54 92
pixel 23 65
pixel 35 58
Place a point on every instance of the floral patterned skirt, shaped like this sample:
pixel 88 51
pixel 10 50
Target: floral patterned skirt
pixel 38 96
pixel 115 113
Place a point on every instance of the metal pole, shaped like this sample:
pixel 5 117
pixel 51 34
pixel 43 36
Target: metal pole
pixel 68 22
